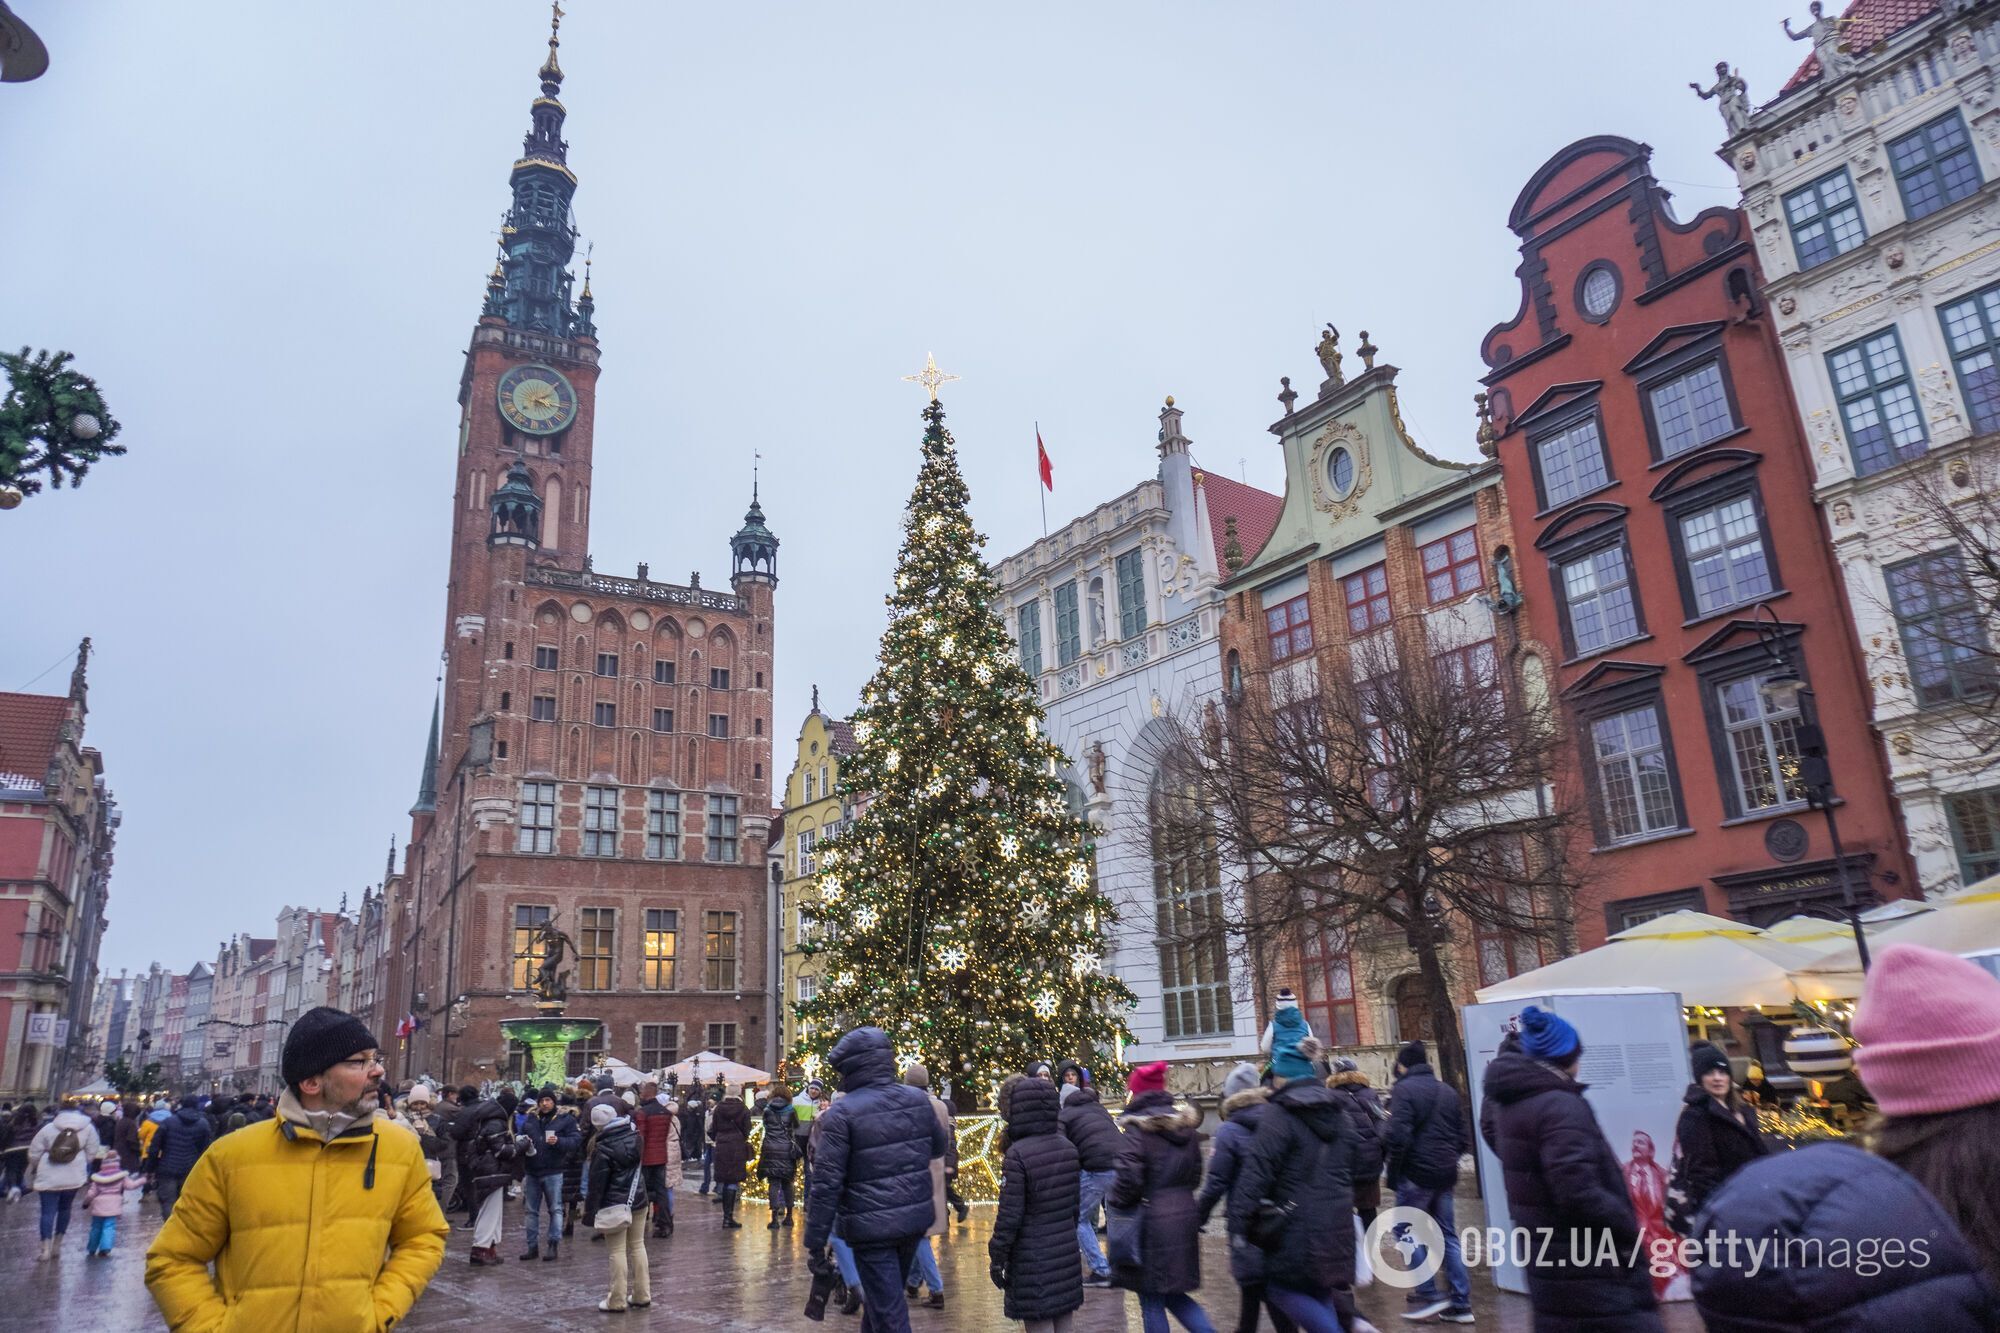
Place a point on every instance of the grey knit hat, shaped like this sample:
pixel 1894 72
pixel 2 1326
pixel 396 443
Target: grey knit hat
pixel 1241 1079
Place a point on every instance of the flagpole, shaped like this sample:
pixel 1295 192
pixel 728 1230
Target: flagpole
pixel 1041 491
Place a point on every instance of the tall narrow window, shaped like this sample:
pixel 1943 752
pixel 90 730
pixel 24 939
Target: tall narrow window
pixel 663 938
pixel 542 708
pixel 722 1039
pixel 719 951
pixel 1029 636
pixel 663 826
pixel 1944 639
pixel 718 726
pixel 1570 463
pixel 808 987
pixel 538 818
pixel 1367 596
pixel 1188 909
pixel 1634 780
pixel 528 951
pixel 1598 604
pixel 718 678
pixel 595 935
pixel 1763 745
pixel 1884 425
pixel 600 821
pixel 1690 409
pixel 722 828
pixel 1972 327
pixel 1934 165
pixel 604 714
pixel 1723 546
pixel 805 851
pixel 546 657
pixel 1975 829
pixel 607 664
pixel 1288 628
pixel 659 1046
pixel 1451 566
pixel 1504 946
pixel 1825 219
pixel 1131 571
pixel 1069 629
pixel 1326 967
pixel 663 671
pixel 663 719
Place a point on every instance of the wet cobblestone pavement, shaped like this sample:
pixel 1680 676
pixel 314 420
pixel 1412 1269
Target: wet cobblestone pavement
pixel 703 1278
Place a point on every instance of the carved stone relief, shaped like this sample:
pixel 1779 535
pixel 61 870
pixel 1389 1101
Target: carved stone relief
pixel 1940 403
pixel 1340 434
pixel 1825 435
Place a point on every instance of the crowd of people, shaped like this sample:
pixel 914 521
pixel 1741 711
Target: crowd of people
pixel 362 1180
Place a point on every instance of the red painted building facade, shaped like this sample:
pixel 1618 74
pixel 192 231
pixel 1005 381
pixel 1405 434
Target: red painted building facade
pixel 1660 491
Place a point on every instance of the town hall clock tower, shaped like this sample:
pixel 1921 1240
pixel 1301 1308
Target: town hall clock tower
pixel 601 752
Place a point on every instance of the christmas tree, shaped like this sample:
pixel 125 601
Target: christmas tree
pixel 52 420
pixel 959 910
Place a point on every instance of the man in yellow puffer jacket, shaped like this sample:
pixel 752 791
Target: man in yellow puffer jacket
pixel 296 1213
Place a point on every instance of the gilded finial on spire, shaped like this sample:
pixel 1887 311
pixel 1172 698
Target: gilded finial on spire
pixel 589 251
pixel 551 71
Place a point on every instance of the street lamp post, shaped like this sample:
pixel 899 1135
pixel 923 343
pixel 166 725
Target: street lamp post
pixel 1783 690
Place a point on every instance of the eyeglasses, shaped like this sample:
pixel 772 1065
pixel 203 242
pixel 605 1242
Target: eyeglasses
pixel 361 1061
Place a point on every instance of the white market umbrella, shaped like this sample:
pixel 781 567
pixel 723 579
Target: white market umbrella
pixel 1814 933
pixel 621 1074
pixel 703 1066
pixel 1709 960
pixel 1966 922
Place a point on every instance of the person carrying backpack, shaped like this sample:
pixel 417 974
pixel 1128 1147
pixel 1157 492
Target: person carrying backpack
pixel 59 1161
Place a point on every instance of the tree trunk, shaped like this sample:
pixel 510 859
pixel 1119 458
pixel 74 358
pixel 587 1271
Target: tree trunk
pixel 1444 1016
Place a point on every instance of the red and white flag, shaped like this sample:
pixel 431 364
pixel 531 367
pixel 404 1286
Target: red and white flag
pixel 1042 464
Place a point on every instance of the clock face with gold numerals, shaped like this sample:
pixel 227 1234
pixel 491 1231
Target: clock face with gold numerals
pixel 537 399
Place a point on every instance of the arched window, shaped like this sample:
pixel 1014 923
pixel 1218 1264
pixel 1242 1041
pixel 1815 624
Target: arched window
pixel 1188 907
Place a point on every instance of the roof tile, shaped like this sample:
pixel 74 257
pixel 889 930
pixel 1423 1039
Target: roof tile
pixel 1864 23
pixel 30 730
pixel 1255 511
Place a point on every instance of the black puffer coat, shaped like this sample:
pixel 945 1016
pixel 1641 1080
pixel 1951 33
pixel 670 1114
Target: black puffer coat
pixel 1364 1114
pixel 1302 1156
pixel 125 1141
pixel 1034 1229
pixel 1561 1175
pixel 694 1125
pixel 614 1171
pixel 1426 1131
pixel 872 1168
pixel 1242 1114
pixel 1826 1196
pixel 1714 1144
pixel 492 1161
pixel 779 1159
pixel 1159 1169
pixel 1090 1127
pixel 729 1125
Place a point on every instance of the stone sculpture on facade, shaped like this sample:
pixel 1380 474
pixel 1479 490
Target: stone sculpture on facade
pixel 1825 36
pixel 1732 95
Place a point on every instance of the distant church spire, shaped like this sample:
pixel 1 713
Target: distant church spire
pixel 427 787
pixel 538 239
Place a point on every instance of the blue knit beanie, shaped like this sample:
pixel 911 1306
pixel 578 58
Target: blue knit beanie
pixel 1548 1037
pixel 1293 1047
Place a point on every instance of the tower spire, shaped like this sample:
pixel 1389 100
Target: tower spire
pixel 538 239
pixel 427 790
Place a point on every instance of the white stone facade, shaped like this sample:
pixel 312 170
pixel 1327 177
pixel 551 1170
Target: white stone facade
pixel 1110 706
pixel 1932 240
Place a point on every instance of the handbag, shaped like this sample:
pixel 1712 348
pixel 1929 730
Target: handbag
pixel 612 1216
pixel 1125 1236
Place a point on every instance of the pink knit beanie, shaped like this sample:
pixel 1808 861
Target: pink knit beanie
pixel 1147 1078
pixel 1929 1027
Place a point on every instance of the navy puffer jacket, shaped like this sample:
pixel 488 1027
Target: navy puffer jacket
pixel 1564 1184
pixel 1426 1131
pixel 1034 1228
pixel 1303 1158
pixel 1242 1113
pixel 1831 1196
pixel 872 1168
pixel 180 1141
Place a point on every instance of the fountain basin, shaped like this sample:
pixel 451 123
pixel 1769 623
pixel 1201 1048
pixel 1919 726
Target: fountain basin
pixel 547 1039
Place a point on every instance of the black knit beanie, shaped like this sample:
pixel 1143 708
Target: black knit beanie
pixel 320 1040
pixel 1706 1058
pixel 508 1101
pixel 1412 1055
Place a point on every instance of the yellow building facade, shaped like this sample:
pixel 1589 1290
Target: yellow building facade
pixel 812 812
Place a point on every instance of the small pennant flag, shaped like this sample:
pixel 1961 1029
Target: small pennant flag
pixel 1042 464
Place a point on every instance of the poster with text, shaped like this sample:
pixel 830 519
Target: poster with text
pixel 1635 1068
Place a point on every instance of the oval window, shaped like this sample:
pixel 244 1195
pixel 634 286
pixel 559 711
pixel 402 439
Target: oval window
pixel 1340 472
pixel 1600 292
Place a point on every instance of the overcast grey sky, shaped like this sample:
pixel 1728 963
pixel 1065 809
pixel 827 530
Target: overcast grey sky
pixel 266 227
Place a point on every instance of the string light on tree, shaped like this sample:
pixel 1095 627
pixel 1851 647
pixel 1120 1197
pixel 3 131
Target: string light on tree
pixel 932 937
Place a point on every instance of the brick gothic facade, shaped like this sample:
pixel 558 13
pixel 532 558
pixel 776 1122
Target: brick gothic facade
pixel 1660 491
pixel 627 789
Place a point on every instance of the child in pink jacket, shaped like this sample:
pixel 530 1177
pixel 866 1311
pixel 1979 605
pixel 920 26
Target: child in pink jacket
pixel 105 1198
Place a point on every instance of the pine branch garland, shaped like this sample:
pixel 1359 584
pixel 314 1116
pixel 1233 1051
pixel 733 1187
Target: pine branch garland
pixel 53 421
